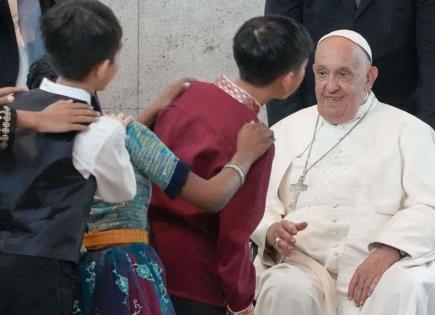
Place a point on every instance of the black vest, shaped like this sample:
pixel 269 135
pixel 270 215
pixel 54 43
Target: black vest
pixel 44 200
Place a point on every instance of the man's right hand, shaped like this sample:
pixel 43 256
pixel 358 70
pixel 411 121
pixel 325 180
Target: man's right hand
pixel 280 236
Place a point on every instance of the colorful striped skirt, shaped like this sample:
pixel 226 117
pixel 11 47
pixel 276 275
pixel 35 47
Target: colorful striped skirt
pixel 122 280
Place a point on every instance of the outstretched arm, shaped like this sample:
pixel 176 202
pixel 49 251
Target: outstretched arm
pixel 212 195
pixel 154 160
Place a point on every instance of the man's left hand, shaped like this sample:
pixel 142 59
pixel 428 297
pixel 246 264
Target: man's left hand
pixel 370 271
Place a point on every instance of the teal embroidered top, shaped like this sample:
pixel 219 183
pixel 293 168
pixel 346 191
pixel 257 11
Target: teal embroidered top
pixel 152 162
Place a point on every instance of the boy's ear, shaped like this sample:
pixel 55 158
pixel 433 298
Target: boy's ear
pixel 287 80
pixel 102 69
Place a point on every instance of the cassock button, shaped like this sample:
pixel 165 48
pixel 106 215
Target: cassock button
pixel 334 233
pixel 334 220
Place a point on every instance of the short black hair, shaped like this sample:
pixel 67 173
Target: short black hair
pixel 267 47
pixel 39 70
pixel 78 35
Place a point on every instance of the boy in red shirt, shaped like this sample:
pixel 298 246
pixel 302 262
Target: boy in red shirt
pixel 207 256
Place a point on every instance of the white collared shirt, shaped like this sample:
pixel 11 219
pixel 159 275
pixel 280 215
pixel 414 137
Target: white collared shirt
pixel 100 151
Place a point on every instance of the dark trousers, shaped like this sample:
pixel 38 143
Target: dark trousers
pixel 35 286
pixel 190 307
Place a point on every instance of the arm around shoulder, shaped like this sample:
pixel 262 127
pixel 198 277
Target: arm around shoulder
pixel 254 139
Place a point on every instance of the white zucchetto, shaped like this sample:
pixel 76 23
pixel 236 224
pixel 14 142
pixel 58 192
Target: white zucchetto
pixel 352 36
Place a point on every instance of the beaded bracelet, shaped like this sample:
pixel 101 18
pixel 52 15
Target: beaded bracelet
pixel 8 119
pixel 238 170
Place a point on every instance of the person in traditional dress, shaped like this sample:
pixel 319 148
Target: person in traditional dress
pixel 121 273
pixel 207 256
pixel 349 226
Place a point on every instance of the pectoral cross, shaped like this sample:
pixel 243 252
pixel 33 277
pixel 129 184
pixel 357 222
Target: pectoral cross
pixel 296 189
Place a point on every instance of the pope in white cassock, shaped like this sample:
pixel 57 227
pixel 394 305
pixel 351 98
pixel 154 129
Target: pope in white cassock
pixel 349 226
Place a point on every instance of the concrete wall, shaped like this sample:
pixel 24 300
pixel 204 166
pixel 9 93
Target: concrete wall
pixel 165 40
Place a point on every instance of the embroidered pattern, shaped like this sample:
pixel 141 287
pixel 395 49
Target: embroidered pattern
pixel 76 308
pixel 236 92
pixel 137 307
pixel 122 284
pixel 91 272
pixel 142 270
pixel 163 294
pixel 134 286
pixel 5 124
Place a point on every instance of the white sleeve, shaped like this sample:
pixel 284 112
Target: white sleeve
pixel 275 209
pixel 100 151
pixel 412 227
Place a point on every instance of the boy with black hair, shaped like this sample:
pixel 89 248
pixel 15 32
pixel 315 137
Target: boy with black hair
pixel 49 180
pixel 207 257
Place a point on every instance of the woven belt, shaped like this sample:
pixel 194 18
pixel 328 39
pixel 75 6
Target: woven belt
pixel 101 239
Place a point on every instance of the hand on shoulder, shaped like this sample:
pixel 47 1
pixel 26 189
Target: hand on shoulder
pixel 122 118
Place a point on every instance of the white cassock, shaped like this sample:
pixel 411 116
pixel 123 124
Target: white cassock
pixel 377 185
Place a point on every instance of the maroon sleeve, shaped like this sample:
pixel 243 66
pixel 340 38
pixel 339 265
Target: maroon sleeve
pixel 238 220
pixel 191 139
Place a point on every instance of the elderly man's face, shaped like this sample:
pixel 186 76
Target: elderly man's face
pixel 342 74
